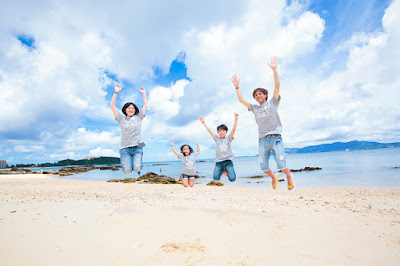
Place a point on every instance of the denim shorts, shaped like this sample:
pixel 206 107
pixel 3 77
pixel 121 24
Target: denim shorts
pixel 187 176
pixel 228 166
pixel 274 144
pixel 131 159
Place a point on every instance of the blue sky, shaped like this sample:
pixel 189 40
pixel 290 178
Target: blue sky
pixel 59 62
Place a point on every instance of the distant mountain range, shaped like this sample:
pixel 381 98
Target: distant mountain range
pixel 343 146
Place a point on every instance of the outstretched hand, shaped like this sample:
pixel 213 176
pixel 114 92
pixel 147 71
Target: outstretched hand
pixel 236 116
pixel 274 62
pixel 171 143
pixel 201 119
pixel 142 90
pixel 197 144
pixel 235 81
pixel 117 88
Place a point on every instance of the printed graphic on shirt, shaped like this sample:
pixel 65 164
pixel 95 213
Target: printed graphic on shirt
pixel 223 147
pixel 263 112
pixel 189 164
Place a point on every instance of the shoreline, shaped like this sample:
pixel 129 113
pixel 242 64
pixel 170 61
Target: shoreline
pixel 46 220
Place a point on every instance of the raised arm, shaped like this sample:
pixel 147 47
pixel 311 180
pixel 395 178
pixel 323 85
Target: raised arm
pixel 273 66
pixel 198 148
pixel 117 89
pixel 234 126
pixel 208 129
pixel 144 101
pixel 173 149
pixel 235 82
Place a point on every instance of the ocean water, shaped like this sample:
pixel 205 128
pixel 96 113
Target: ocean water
pixel 340 169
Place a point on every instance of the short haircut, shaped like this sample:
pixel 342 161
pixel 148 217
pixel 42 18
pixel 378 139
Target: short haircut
pixel 127 105
pixel 261 90
pixel 223 127
pixel 190 149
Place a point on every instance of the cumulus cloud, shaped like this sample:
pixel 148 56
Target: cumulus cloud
pixel 99 151
pixel 83 139
pixel 55 92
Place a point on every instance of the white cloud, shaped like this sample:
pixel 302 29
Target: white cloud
pixel 99 151
pixel 24 149
pixel 83 139
pixel 48 94
pixel 66 155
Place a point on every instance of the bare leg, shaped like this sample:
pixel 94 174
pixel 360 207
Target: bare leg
pixel 274 177
pixel 191 181
pixel 289 177
pixel 185 182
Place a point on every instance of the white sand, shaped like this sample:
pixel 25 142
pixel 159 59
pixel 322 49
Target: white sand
pixel 47 221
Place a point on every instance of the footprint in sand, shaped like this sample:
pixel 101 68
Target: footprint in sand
pixel 184 247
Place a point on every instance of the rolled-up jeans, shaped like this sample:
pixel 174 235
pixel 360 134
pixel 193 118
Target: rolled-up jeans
pixel 266 145
pixel 131 159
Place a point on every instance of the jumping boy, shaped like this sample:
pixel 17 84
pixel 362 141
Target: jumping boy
pixel 269 127
pixel 223 150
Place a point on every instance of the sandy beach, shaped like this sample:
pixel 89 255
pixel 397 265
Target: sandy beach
pixel 48 221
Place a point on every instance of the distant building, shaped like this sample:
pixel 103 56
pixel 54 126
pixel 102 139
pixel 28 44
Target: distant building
pixel 3 164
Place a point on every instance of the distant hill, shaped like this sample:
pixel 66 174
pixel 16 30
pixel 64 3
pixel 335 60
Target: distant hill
pixel 67 162
pixel 342 146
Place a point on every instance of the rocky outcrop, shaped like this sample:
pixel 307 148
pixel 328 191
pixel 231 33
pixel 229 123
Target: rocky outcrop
pixel 149 178
pixel 153 178
pixel 75 170
pixel 110 167
pixel 254 176
pixel 16 171
pixel 307 168
pixel 212 183
pixel 125 180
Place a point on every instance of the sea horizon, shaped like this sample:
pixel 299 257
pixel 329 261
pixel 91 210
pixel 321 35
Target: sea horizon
pixel 372 168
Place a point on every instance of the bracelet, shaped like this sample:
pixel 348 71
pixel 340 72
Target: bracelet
pixel 237 87
pixel 115 92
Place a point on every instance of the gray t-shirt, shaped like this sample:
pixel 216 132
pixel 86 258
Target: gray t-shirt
pixel 130 130
pixel 189 163
pixel 223 149
pixel 267 117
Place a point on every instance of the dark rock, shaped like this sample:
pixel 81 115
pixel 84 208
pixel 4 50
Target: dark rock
pixel 110 167
pixel 16 171
pixel 199 176
pixel 281 180
pixel 60 174
pixel 125 180
pixel 153 178
pixel 254 176
pixel 307 168
pixel 75 170
pixel 396 167
pixel 149 178
pixel 212 183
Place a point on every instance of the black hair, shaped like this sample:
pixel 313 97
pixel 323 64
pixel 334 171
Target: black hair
pixel 261 90
pixel 190 149
pixel 127 105
pixel 223 126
